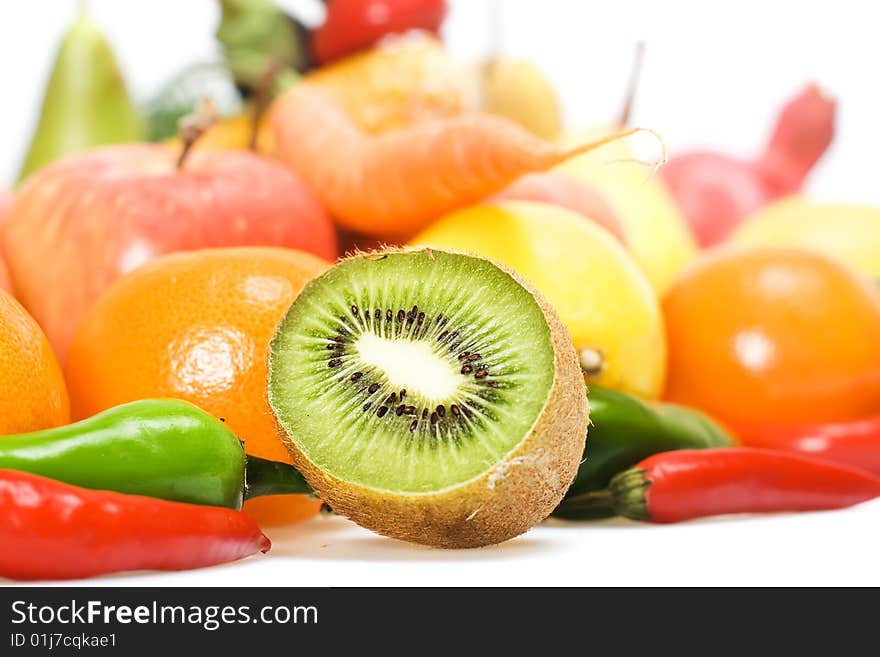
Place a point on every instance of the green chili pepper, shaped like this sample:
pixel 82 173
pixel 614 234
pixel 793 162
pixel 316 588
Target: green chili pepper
pixel 165 448
pixel 624 430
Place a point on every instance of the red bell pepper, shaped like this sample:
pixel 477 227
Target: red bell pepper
pixel 52 530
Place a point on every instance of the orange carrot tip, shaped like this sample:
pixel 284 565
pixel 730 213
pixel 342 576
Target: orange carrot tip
pixel 393 184
pixel 654 165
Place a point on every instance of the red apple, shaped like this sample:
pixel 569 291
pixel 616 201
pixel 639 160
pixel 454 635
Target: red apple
pixel 80 223
pixel 558 189
pixel 5 204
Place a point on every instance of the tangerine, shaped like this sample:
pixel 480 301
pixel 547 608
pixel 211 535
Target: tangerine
pixel 774 334
pixel 32 391
pixel 196 326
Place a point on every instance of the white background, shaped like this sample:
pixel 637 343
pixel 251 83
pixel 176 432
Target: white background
pixel 715 75
pixel 834 548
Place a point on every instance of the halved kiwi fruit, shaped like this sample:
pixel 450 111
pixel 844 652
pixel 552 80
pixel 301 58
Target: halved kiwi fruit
pixel 429 396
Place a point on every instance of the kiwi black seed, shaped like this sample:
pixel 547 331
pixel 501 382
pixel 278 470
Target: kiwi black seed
pixel 451 411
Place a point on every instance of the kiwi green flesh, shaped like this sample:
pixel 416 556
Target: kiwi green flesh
pixel 410 372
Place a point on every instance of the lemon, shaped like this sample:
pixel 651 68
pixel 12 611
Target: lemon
pixel 847 232
pixel 601 295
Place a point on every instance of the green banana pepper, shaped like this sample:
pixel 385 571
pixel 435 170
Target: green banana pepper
pixel 165 448
pixel 624 430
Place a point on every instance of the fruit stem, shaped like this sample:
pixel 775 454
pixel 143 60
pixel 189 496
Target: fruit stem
pixel 633 86
pixel 495 41
pixel 263 97
pixel 194 125
pixel 264 477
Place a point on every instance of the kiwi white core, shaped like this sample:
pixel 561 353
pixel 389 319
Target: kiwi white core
pixel 433 378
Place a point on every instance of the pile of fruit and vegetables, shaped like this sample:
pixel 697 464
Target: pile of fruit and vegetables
pixel 341 270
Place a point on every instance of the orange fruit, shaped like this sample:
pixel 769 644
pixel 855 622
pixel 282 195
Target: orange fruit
pixel 32 392
pixel 5 283
pixel 196 326
pixel 5 204
pixel 774 334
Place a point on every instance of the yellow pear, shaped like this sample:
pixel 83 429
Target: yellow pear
pixel 656 232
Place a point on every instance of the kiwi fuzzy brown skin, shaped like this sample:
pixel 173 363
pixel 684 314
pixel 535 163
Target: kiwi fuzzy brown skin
pixel 515 494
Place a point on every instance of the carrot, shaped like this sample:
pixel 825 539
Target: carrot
pixel 393 184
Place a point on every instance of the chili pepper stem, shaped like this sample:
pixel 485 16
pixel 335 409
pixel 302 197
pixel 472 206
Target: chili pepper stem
pixel 598 499
pixel 629 492
pixel 626 496
pixel 264 477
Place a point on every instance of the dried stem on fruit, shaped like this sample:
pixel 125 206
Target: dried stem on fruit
pixel 194 125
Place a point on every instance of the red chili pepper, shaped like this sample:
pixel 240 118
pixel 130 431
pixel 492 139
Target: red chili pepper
pixel 51 530
pixel 353 25
pixel 853 442
pixel 686 484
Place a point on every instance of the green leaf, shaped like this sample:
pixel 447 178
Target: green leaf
pixel 257 37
